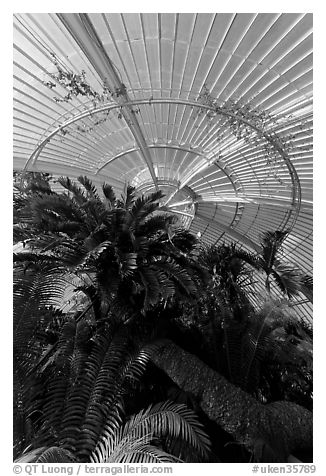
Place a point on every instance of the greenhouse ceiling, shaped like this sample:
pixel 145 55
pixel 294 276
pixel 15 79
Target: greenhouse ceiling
pixel 214 109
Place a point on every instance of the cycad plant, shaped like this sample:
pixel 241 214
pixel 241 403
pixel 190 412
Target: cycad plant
pixel 73 373
pixel 131 253
pixel 269 336
pixel 79 413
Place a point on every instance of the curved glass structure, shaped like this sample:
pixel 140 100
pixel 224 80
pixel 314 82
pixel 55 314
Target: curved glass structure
pixel 214 109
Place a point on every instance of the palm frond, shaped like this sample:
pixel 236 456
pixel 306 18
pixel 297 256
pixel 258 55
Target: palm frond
pixel 165 420
pixel 58 213
pixel 129 449
pixel 127 197
pixel 47 455
pixel 59 384
pixel 96 211
pixel 27 404
pixel 127 263
pixel 307 281
pixel 113 364
pixel 288 278
pixel 36 294
pixel 271 242
pixel 184 240
pixel 151 286
pixel 177 274
pixel 143 454
pixel 109 194
pixel 154 224
pixel 259 339
pixel 78 194
pixel 89 187
pixel 145 205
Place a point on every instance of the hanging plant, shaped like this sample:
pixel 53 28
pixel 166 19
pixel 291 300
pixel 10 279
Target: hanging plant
pixel 77 85
pixel 250 124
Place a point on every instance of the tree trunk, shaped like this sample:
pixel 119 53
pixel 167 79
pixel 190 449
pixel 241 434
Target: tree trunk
pixel 277 429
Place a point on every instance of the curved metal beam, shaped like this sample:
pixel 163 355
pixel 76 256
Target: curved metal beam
pixel 296 190
pixel 178 187
pixel 110 107
pixel 82 30
pixel 150 146
pixel 166 146
pixel 233 198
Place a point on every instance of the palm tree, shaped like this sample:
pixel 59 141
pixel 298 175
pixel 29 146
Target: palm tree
pixel 129 253
pixel 230 278
pixel 228 267
pixel 289 278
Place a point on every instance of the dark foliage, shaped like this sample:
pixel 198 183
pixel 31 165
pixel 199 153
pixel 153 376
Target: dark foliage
pixel 82 379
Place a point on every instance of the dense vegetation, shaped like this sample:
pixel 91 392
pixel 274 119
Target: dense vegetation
pixel 135 342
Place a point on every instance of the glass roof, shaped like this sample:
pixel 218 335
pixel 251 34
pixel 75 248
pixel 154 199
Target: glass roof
pixel 214 109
